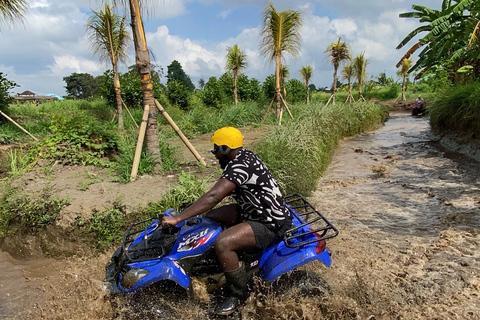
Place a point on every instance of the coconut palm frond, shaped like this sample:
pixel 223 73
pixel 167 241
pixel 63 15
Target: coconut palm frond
pixel 13 10
pixel 236 59
pixel 306 72
pixel 108 35
pixel 280 32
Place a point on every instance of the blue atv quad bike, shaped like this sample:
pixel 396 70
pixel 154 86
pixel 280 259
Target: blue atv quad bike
pixel 150 254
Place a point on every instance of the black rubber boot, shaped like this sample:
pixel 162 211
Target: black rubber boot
pixel 236 292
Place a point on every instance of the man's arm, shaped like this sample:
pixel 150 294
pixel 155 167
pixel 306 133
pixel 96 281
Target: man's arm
pixel 210 199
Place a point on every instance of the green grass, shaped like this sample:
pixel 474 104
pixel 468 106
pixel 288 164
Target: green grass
pixel 28 213
pixel 298 152
pixel 456 109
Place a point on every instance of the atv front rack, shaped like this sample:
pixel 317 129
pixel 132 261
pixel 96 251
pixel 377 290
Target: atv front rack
pixel 313 225
pixel 146 249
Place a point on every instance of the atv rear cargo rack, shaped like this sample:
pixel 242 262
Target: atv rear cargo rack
pixel 313 226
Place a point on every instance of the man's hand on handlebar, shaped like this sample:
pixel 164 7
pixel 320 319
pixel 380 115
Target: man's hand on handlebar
pixel 172 221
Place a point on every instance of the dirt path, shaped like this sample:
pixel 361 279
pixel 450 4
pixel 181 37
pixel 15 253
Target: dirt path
pixel 408 213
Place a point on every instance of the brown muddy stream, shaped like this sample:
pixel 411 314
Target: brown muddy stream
pixel 408 212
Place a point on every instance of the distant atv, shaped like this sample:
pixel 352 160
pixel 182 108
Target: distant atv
pixel 419 108
pixel 151 254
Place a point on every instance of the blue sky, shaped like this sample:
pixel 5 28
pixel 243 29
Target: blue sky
pixel 52 42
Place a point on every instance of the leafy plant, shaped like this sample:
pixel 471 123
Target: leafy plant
pixel 105 226
pixel 28 213
pixel 75 140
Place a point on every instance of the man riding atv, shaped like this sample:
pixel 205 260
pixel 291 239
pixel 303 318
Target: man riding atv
pixel 419 107
pixel 258 219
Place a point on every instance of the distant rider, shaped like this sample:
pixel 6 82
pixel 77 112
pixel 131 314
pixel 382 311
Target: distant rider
pixel 419 107
pixel 419 100
pixel 258 219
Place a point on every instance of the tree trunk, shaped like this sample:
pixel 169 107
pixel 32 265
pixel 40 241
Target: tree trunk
pixel 142 60
pixel 277 87
pixel 308 93
pixel 118 95
pixel 403 89
pixel 235 97
pixel 334 85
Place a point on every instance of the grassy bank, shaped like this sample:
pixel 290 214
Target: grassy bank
pixel 457 110
pixel 299 152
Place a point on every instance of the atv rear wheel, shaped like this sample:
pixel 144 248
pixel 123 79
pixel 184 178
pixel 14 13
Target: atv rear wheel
pixel 302 282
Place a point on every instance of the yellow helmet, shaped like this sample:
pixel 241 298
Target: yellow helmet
pixel 228 136
pixel 419 95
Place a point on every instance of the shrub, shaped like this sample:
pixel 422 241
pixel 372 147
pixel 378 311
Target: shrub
pixel 27 213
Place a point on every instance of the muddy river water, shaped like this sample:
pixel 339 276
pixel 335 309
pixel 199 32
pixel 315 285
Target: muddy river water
pixel 408 213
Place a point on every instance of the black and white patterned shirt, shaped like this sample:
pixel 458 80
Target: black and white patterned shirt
pixel 257 193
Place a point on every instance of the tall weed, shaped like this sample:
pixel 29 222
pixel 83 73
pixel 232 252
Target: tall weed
pixel 456 109
pixel 298 152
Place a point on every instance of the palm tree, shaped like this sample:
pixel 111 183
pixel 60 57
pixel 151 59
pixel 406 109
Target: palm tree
pixel 12 11
pixel 284 74
pixel 109 40
pixel 148 127
pixel 360 71
pixel 306 72
pixel 347 74
pixel 403 72
pixel 236 62
pixel 201 83
pixel 280 33
pixel 337 51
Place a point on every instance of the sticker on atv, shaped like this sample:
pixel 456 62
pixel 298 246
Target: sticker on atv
pixel 194 241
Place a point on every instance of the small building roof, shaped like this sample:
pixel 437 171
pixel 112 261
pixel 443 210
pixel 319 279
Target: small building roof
pixel 27 93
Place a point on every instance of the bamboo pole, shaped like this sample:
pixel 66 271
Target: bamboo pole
pixel 129 113
pixel 329 100
pixel 138 150
pixel 268 110
pixel 19 126
pixel 286 106
pixel 179 132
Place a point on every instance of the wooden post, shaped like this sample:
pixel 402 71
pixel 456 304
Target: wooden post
pixel 286 106
pixel 129 113
pixel 179 132
pixel 268 110
pixel 329 100
pixel 138 150
pixel 19 126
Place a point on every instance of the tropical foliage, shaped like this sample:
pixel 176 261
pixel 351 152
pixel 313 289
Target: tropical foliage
pixel 360 71
pixel 449 37
pixel 306 73
pixel 12 10
pixel 337 52
pixel 403 73
pixel 236 62
pixel 109 40
pixel 280 34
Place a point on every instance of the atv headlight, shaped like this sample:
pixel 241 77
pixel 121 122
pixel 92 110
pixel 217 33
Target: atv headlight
pixel 133 276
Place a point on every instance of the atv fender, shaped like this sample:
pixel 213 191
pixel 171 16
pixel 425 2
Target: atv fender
pixel 165 269
pixel 281 259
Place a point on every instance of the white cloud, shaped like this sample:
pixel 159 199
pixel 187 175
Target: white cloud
pixel 345 27
pixel 167 48
pixel 224 14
